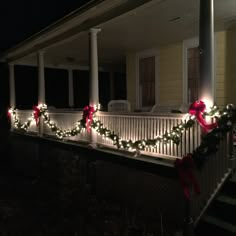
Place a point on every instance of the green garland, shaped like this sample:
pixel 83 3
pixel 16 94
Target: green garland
pixel 43 112
pixel 174 135
pixel 209 143
pixel 226 120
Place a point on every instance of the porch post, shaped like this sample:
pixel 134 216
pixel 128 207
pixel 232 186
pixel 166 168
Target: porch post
pixel 41 84
pixel 206 43
pixel 12 91
pixel 71 88
pixel 12 85
pixel 94 90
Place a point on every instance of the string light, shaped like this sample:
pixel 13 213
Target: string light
pixel 174 135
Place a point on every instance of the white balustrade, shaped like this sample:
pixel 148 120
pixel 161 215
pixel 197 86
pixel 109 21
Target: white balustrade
pixel 67 120
pixel 129 126
pixel 212 175
pixel 137 126
pixel 23 115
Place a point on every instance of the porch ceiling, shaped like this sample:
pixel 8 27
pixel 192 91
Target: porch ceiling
pixel 149 26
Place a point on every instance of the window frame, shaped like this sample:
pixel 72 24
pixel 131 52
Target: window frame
pixel 189 43
pixel 141 55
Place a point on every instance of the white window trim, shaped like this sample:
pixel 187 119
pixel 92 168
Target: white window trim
pixel 189 43
pixel 140 55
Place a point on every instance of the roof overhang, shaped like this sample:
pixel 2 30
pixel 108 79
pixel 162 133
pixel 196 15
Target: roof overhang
pixel 127 26
pixel 94 13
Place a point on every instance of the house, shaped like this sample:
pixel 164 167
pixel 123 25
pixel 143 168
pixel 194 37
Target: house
pixel 154 46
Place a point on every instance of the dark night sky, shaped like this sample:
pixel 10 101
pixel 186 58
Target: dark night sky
pixel 19 19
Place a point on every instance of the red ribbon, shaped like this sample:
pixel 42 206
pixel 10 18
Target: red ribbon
pixel 88 116
pixel 9 113
pixel 36 114
pixel 185 170
pixel 197 109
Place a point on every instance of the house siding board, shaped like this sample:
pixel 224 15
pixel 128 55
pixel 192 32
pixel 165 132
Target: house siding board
pixel 171 74
pixel 231 64
pixel 220 68
pixel 170 71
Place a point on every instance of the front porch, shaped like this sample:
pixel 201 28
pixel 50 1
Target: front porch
pixel 156 73
pixel 131 127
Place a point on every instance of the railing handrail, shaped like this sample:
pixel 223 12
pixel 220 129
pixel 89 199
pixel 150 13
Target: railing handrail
pixel 106 113
pixel 144 114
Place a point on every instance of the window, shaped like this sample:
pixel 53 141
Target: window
pixel 81 88
pixel 193 74
pixel 191 70
pixel 147 81
pixel 56 87
pixel 26 82
pixel 104 89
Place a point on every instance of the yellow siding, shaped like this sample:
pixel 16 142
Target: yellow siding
pixel 225 72
pixel 171 74
pixel 231 65
pixel 170 71
pixel 220 69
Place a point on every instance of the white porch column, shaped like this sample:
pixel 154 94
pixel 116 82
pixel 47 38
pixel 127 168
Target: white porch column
pixel 206 43
pixel 12 85
pixel 93 96
pixel 12 91
pixel 71 88
pixel 41 78
pixel 41 85
pixel 94 90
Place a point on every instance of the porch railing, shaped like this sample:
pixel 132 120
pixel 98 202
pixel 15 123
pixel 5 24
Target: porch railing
pixel 129 126
pixel 212 176
pixel 136 126
pixel 23 115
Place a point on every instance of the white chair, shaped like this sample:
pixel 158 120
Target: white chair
pixel 119 106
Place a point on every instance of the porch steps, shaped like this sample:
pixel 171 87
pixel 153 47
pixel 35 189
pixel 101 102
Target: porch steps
pixel 220 217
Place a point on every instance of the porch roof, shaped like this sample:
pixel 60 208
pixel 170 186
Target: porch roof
pixel 126 26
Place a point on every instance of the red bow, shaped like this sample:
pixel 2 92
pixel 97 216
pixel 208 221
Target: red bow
pixel 36 114
pixel 88 116
pixel 197 109
pixel 185 170
pixel 9 113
